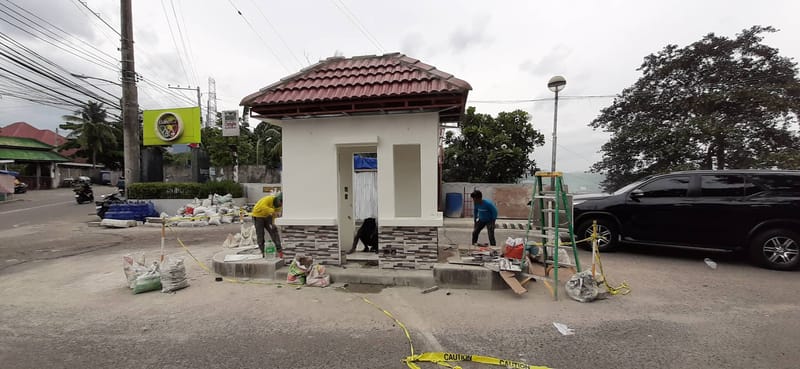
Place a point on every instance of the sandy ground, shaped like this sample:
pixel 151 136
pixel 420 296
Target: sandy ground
pixel 62 311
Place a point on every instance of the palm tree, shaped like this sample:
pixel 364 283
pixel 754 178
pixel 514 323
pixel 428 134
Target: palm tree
pixel 270 135
pixel 90 131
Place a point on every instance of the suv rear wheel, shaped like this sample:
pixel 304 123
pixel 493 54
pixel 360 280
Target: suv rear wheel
pixel 606 229
pixel 776 249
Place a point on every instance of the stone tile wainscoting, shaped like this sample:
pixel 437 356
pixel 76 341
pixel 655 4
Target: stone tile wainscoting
pixel 319 242
pixel 417 247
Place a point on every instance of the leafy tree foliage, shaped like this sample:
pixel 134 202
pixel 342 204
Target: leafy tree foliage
pixel 733 100
pixel 491 149
pixel 266 138
pixel 95 138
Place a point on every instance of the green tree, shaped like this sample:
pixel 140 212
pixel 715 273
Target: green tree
pixel 730 100
pixel 491 149
pixel 269 138
pixel 95 138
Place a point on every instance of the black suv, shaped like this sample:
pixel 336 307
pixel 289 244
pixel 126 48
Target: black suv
pixel 755 210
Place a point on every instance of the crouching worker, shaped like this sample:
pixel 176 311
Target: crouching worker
pixel 264 214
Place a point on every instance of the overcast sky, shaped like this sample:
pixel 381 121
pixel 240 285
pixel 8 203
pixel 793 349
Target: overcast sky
pixel 507 50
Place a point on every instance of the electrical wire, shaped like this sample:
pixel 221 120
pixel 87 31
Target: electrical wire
pixel 187 45
pixel 98 17
pixel 274 29
pixel 269 48
pixel 175 42
pixel 356 22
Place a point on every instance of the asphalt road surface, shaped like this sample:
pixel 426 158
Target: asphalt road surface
pixel 71 309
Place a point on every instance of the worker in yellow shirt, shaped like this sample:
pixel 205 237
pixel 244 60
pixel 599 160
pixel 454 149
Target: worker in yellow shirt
pixel 264 214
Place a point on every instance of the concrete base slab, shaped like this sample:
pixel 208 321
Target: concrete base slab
pixel 358 275
pixel 259 268
pixel 468 277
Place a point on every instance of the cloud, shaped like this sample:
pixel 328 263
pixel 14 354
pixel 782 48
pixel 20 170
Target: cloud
pixel 551 63
pixel 464 37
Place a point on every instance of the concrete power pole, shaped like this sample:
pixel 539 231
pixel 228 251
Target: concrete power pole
pixel 130 97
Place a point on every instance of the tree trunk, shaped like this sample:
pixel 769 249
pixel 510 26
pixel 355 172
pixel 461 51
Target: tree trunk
pixel 720 148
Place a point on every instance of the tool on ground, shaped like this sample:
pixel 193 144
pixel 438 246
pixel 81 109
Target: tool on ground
pixel 548 207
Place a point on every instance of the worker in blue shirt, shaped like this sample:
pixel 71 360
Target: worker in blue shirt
pixel 485 215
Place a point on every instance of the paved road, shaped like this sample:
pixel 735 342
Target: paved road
pixel 38 207
pixel 75 312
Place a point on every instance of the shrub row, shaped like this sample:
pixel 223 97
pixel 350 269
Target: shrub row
pixel 177 190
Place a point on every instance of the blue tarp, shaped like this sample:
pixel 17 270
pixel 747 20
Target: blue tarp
pixel 10 172
pixel 362 163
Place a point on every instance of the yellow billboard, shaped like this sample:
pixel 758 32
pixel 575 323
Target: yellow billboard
pixel 171 126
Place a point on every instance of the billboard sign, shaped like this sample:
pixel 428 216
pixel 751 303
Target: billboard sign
pixel 166 127
pixel 230 123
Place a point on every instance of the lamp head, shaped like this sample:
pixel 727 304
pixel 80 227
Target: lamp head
pixel 556 83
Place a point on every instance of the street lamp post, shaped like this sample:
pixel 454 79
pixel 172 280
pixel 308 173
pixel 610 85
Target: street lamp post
pixel 556 84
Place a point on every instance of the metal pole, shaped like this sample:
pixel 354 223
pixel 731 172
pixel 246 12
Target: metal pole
pixel 555 128
pixel 130 97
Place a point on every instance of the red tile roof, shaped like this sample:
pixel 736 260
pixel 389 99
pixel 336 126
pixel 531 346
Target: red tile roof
pixel 357 79
pixel 46 136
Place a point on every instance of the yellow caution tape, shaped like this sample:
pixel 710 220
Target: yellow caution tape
pixel 623 288
pixel 446 358
pixel 439 358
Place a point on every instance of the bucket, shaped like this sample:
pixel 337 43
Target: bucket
pixel 454 203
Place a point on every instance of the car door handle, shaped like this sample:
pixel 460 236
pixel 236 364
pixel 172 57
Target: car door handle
pixel 683 205
pixel 759 206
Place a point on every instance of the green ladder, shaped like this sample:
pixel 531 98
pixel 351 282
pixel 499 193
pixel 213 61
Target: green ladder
pixel 550 234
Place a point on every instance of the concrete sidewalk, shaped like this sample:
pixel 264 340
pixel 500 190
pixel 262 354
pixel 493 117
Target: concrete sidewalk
pixel 501 223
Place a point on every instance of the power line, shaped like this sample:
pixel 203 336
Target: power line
pixel 356 22
pixel 174 42
pixel 61 30
pixel 97 62
pixel 259 37
pixel 519 101
pixel 186 50
pixel 274 29
pixel 98 17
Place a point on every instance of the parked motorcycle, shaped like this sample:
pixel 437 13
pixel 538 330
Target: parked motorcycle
pixel 84 193
pixel 103 205
pixel 20 187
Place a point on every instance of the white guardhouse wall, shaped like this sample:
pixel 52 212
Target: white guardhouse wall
pixel 310 165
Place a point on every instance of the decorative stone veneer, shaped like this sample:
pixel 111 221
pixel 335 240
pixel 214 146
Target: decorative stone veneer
pixel 319 242
pixel 417 247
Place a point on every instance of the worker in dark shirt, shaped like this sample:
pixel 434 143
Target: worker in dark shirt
pixel 485 215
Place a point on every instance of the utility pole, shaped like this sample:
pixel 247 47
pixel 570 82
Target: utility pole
pixel 130 97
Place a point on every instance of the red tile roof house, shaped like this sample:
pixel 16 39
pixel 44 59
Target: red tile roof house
pixel 391 105
pixel 64 168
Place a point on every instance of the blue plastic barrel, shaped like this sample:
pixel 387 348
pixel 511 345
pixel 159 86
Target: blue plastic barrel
pixel 453 203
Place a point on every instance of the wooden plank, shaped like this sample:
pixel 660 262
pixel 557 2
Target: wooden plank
pixel 511 281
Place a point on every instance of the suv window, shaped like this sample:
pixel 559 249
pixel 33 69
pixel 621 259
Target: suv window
pixel 722 185
pixel 667 187
pixel 783 184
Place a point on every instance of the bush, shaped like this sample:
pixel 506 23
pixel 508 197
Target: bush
pixel 176 190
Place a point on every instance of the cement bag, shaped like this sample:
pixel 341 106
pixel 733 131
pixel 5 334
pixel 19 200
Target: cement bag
pixel 248 235
pixel 582 287
pixel 149 281
pixel 226 219
pixel 133 266
pixel 173 275
pixel 229 242
pixel 514 248
pixel 298 270
pixel 318 277
pixel 215 220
